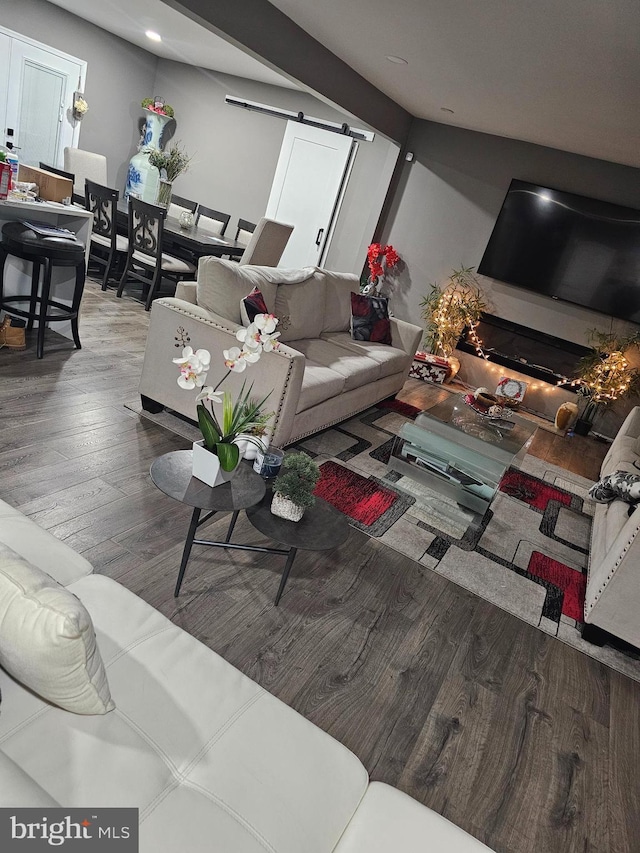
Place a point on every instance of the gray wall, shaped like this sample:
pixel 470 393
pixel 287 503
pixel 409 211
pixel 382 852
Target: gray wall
pixel 235 152
pixel 447 203
pixel 119 76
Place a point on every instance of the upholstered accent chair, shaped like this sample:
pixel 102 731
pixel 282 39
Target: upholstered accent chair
pixel 267 243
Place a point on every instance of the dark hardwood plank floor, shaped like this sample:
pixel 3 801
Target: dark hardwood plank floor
pixel 521 740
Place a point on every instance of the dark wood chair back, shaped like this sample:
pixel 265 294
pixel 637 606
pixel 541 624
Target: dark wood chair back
pixel 213 220
pixel 245 230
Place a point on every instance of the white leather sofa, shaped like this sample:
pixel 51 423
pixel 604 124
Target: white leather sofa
pixel 318 377
pixel 612 600
pixel 211 760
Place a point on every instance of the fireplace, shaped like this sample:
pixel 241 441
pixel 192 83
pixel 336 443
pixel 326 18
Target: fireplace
pixel 525 350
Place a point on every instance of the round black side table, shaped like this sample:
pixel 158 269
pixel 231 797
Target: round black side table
pixel 171 473
pixel 321 528
pixel 22 242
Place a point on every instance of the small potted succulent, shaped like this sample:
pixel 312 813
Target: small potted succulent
pixel 293 487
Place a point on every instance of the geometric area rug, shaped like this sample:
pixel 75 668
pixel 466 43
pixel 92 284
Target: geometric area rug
pixel 527 554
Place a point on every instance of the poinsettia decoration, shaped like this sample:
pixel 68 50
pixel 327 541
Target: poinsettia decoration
pixel 379 259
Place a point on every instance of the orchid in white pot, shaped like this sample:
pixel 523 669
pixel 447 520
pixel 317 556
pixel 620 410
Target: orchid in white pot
pixel 242 421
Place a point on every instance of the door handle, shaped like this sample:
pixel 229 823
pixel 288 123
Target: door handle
pixel 319 237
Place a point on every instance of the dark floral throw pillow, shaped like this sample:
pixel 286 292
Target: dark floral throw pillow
pixel 370 319
pixel 251 306
pixel 619 485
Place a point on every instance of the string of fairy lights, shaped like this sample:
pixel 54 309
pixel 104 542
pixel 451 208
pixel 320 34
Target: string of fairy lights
pixel 605 382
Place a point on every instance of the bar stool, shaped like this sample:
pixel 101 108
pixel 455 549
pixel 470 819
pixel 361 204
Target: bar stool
pixel 20 241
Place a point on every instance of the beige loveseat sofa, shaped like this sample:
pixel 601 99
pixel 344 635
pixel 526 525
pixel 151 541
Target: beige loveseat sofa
pixel 318 376
pixel 612 601
pixel 211 760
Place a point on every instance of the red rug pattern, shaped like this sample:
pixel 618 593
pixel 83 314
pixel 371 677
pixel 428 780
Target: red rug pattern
pixel 354 495
pixel 531 491
pixel 572 583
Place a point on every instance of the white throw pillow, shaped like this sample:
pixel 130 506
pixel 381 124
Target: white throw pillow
pixel 47 641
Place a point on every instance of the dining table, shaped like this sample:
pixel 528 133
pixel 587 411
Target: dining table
pixel 190 241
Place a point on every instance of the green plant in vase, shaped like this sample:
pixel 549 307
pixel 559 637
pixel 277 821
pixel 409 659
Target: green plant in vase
pixel 171 164
pixel 448 311
pixel 605 375
pixel 242 420
pixel 293 487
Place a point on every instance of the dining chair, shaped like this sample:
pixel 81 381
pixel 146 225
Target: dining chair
pixel 267 243
pixel 85 164
pixel 146 262
pixel 212 220
pixel 179 204
pixel 107 248
pixel 245 230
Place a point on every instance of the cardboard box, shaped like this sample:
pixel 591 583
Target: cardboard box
pixel 51 187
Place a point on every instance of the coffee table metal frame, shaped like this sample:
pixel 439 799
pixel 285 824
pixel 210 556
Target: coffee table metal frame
pixel 247 490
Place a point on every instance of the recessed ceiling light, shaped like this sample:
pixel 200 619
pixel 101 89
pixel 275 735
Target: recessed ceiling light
pixel 151 34
pixel 447 110
pixel 398 60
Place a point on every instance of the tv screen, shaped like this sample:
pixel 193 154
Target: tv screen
pixel 568 247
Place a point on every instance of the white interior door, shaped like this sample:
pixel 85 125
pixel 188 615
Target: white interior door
pixel 38 113
pixel 307 188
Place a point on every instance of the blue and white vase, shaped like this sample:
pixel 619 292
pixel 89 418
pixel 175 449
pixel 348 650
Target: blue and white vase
pixel 143 179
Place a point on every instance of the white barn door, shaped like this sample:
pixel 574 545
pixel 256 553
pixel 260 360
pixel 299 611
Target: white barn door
pixel 307 189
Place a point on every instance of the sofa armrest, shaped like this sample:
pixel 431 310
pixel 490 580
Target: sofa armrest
pixel 187 290
pixel 40 547
pixel 175 323
pixel 405 336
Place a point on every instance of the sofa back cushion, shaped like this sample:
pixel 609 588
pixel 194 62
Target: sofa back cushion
pixel 300 308
pixel 223 284
pixel 337 312
pixel 47 641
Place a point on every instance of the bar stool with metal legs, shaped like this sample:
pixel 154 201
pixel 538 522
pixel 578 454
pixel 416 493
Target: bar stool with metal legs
pixel 20 241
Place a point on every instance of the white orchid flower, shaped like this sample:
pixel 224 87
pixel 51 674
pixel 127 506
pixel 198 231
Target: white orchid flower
pixel 233 359
pixel 204 357
pixel 208 393
pixel 193 368
pixel 250 336
pixel 266 323
pixel 269 342
pixel 250 355
pixel 187 352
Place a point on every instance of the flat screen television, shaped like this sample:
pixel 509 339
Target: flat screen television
pixel 568 247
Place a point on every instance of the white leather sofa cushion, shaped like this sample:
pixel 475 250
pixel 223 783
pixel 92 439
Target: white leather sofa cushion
pixel 300 308
pixel 357 369
pixel 319 383
pixel 211 760
pixel 18 789
pixel 621 457
pixel 388 820
pixel 47 639
pixel 390 359
pixel 338 287
pixel 39 547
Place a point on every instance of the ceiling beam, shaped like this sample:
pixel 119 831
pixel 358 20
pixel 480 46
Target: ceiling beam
pixel 268 34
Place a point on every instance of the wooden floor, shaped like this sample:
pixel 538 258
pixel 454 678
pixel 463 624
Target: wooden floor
pixel 517 738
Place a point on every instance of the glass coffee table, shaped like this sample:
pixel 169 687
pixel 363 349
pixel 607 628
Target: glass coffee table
pixel 460 454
